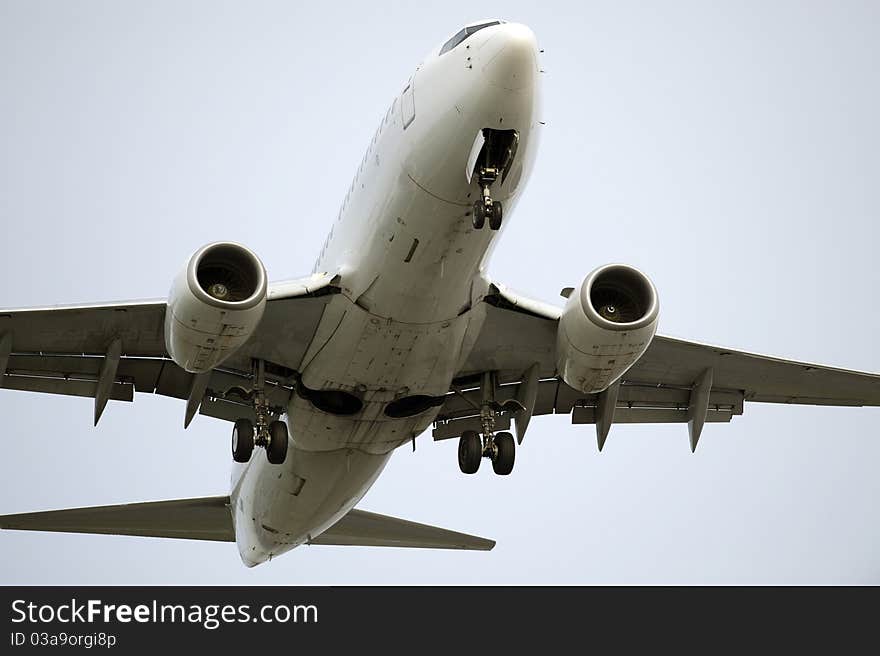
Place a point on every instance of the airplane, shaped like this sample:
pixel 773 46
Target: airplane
pixel 399 328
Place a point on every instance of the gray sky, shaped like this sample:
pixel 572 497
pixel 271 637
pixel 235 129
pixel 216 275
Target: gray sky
pixel 730 150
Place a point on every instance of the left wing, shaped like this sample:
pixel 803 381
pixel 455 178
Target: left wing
pixel 674 381
pixel 112 350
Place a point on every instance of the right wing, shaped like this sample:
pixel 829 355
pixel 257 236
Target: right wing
pixel 65 350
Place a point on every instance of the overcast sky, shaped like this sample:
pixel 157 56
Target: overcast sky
pixel 730 150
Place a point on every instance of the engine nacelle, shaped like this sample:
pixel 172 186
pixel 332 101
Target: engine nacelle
pixel 215 305
pixel 607 324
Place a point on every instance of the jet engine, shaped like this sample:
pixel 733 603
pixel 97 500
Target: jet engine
pixel 607 324
pixel 215 304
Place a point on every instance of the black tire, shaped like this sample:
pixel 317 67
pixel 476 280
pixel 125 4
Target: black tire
pixel 505 454
pixel 470 452
pixel 242 440
pixel 497 213
pixel 276 449
pixel 479 215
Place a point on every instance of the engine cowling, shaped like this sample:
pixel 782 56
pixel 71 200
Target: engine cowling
pixel 607 324
pixel 215 304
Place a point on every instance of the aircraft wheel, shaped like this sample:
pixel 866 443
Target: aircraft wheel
pixel 505 453
pixel 470 452
pixel 479 215
pixel 276 450
pixel 242 440
pixel 497 213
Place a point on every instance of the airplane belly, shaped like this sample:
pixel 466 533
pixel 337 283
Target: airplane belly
pixel 333 458
pixel 397 371
pixel 416 264
pixel 279 507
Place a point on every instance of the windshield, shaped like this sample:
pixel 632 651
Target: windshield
pixel 463 34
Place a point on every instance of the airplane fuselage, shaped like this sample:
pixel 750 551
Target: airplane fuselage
pixel 410 264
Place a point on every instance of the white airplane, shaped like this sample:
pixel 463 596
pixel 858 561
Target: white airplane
pixel 399 328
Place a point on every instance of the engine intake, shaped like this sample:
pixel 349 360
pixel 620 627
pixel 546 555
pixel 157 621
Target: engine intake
pixel 607 324
pixel 621 294
pixel 230 273
pixel 215 304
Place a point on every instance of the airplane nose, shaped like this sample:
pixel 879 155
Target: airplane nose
pixel 513 64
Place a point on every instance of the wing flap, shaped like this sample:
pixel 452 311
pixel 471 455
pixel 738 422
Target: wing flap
pixel 204 518
pixel 66 386
pixel 636 404
pixel 225 398
pixel 366 529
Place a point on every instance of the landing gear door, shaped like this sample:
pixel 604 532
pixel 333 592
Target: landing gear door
pixel 408 104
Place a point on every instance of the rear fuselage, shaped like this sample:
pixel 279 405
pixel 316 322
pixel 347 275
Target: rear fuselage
pixel 410 265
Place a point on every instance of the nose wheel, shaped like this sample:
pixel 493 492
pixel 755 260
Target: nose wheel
pixel 486 208
pixel 490 210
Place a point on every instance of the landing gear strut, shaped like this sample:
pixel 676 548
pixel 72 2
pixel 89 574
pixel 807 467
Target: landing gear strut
pixel 493 163
pixel 271 435
pixel 498 447
pixel 486 208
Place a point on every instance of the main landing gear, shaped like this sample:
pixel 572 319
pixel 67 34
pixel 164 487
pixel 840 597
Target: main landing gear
pixel 498 447
pixel 271 435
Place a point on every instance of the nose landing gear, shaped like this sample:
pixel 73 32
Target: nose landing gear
pixel 493 161
pixel 271 435
pixel 486 208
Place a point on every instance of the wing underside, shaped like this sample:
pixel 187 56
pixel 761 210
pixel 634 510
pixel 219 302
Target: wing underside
pixel 109 351
pixel 66 350
pixel 675 381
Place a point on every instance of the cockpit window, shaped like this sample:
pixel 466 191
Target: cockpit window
pixel 464 34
